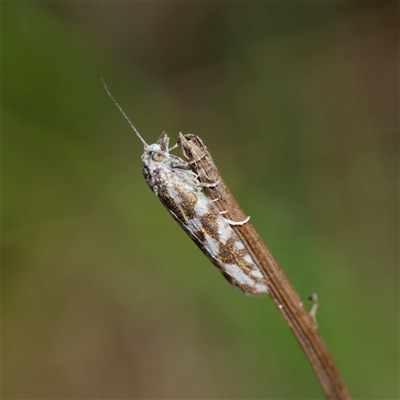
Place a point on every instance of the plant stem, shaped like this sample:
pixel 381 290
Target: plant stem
pixel 280 289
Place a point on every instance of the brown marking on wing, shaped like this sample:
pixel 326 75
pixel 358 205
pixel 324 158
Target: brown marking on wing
pixel 147 176
pixel 200 235
pixel 229 254
pixel 188 204
pixel 210 224
pixel 170 204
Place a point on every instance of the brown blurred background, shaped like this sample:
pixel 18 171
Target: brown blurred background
pixel 104 296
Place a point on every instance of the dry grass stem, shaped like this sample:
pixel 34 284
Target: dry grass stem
pixel 280 289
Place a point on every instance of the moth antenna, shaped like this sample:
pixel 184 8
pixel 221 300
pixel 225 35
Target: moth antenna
pixel 122 111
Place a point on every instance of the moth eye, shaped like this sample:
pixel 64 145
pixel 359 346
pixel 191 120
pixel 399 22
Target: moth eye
pixel 158 156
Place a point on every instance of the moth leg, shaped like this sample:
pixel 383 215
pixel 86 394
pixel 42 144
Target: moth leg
pixel 173 147
pixel 197 159
pixel 211 185
pixel 177 162
pixel 230 222
pixel 213 201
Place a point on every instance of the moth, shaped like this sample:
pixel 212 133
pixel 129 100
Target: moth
pixel 181 192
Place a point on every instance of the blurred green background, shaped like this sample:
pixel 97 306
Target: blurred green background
pixel 104 296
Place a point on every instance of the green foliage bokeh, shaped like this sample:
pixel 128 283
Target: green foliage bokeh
pixel 104 296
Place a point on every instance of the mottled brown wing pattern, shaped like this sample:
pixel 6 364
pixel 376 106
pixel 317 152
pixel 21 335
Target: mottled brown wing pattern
pixel 182 196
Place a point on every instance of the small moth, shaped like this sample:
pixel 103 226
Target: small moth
pixel 181 192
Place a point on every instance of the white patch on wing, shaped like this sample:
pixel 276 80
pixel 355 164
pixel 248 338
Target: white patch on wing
pixel 261 288
pixel 239 245
pixel 248 259
pixel 236 272
pixel 211 245
pixel 172 191
pixel 201 207
pixel 257 274
pixel 193 225
pixel 224 231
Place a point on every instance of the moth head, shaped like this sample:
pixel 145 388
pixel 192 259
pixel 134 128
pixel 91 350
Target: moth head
pixel 156 153
pixel 158 156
